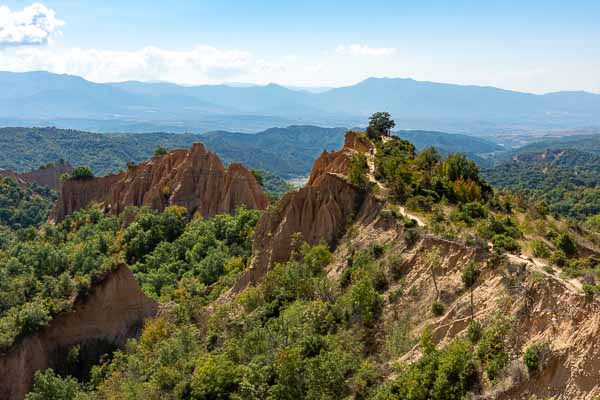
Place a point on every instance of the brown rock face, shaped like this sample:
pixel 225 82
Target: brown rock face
pixel 319 212
pixel 48 176
pixel 113 311
pixel 195 179
pixel 337 162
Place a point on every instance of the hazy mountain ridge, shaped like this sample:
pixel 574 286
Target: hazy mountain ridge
pixel 31 97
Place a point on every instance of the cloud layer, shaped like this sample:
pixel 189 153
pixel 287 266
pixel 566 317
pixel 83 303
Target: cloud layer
pixel 201 64
pixel 357 49
pixel 31 26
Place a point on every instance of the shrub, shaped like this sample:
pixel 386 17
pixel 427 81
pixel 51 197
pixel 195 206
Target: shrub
pixel 437 308
pixel 506 243
pixel 533 357
pixel 466 191
pixel 214 378
pixel 377 250
pixel 491 349
pixel 474 331
pixel 48 385
pixel 469 275
pixel 440 374
pixel 419 203
pixel 357 171
pixel 160 151
pixel 565 243
pixel 590 289
pixel 559 258
pixel 82 173
pixel 33 316
pixel 395 266
pixel 258 176
pixel 593 223
pixel 366 302
pixel 459 167
pixel 411 236
pixel 395 295
pixel 540 249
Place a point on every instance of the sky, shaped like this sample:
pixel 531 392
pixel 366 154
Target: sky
pixel 528 45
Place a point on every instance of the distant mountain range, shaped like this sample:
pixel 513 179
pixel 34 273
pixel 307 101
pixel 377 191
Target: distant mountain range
pixel 42 98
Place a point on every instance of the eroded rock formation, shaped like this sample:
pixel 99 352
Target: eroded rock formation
pixel 113 311
pixel 48 176
pixel 337 162
pixel 319 212
pixel 195 179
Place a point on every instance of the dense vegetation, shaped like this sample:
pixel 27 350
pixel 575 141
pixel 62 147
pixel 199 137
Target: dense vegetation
pixel 566 180
pixel 23 206
pixel 425 177
pixel 42 272
pixel 298 335
pixel 302 332
pixel 286 152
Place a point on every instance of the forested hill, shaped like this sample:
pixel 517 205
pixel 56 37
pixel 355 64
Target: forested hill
pixel 567 180
pixel 585 143
pixel 287 152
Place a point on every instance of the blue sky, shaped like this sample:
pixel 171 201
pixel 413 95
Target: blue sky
pixel 536 46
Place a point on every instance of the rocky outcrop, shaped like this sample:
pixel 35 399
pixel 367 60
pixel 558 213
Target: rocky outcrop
pixel 48 175
pixel 195 179
pixel 319 212
pixel 113 311
pixel 337 162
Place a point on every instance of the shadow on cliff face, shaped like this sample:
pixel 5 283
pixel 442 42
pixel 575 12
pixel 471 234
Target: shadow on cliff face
pixel 77 361
pixel 102 320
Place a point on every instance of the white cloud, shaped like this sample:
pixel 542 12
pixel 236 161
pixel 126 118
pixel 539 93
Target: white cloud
pixel 357 49
pixel 31 26
pixel 201 64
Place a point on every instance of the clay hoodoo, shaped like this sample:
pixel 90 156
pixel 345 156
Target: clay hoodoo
pixel 337 162
pixel 319 212
pixel 48 175
pixel 195 179
pixel 114 310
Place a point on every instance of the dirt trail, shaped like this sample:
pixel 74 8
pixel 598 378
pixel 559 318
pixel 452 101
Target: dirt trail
pixel 384 191
pixel 540 266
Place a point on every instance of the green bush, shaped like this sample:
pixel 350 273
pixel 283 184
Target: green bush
pixel 533 357
pixel 47 385
pixel 357 171
pixel 366 302
pixel 565 243
pixel 474 331
pixel 395 295
pixel 540 249
pixel 469 275
pixel 419 203
pixel 559 258
pixel 160 151
pixel 258 176
pixel 590 289
pixel 82 173
pixel 491 349
pixel 215 378
pixel 506 243
pixel 438 308
pixel 439 374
